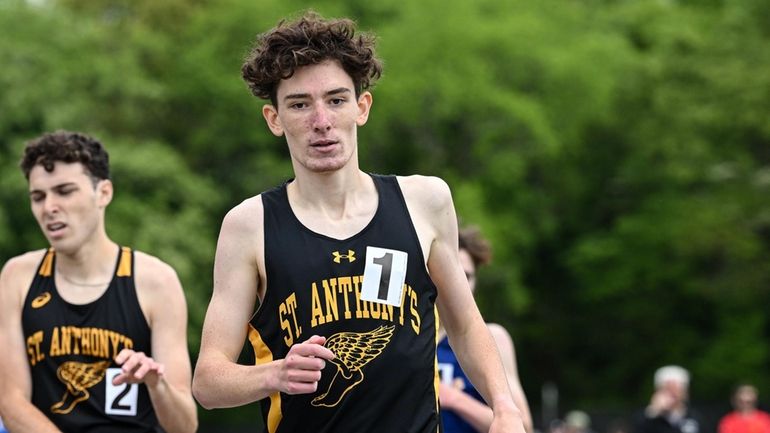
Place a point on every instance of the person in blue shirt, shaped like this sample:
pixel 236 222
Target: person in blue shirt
pixel 463 410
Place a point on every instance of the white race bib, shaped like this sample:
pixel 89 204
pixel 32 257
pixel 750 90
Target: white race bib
pixel 384 276
pixel 446 373
pixel 120 399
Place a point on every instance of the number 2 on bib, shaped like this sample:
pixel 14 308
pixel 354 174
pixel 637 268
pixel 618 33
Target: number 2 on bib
pixel 119 399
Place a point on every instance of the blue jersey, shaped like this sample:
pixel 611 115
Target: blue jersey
pixel 451 374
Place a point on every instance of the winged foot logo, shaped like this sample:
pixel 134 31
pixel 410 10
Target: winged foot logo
pixel 352 351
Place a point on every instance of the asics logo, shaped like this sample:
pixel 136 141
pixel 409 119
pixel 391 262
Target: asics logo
pixel 41 300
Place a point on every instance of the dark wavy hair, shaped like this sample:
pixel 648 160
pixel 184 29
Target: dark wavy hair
pixel 66 146
pixel 478 247
pixel 310 40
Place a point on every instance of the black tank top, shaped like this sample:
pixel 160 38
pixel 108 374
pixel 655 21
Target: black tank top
pixel 71 350
pixel 384 377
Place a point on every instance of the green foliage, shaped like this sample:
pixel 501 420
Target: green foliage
pixel 163 208
pixel 616 153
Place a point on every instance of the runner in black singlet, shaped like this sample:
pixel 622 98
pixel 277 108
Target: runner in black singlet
pixel 94 334
pixel 337 276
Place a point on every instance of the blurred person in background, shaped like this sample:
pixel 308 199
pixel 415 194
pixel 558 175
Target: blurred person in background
pixel 577 421
pixel 555 426
pixel 618 425
pixel 745 417
pixel 94 334
pixel 462 408
pixel 668 410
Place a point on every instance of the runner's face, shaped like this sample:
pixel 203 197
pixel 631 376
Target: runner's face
pixel 67 206
pixel 746 398
pixel 319 114
pixel 676 389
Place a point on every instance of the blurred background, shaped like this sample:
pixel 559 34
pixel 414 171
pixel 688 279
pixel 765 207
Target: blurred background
pixel 616 153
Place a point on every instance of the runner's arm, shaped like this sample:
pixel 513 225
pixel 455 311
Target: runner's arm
pixel 19 414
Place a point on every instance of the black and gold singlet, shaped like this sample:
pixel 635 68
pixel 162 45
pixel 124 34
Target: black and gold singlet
pixel 383 378
pixel 71 349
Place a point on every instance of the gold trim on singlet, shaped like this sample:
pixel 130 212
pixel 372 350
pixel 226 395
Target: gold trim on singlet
pixel 124 267
pixel 436 377
pixel 263 355
pixel 47 267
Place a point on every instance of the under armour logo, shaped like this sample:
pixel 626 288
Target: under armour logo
pixel 350 256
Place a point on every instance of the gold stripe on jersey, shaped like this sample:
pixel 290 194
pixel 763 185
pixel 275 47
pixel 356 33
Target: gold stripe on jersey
pixel 124 268
pixel 263 355
pixel 436 378
pixel 47 266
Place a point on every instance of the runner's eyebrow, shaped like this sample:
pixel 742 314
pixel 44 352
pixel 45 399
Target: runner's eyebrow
pixel 59 186
pixel 336 91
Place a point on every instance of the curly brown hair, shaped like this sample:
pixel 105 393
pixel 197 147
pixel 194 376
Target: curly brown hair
pixel 66 146
pixel 472 241
pixel 310 40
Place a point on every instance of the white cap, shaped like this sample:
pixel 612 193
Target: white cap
pixel 671 373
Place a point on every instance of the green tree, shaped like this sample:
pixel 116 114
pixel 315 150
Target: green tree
pixel 616 153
